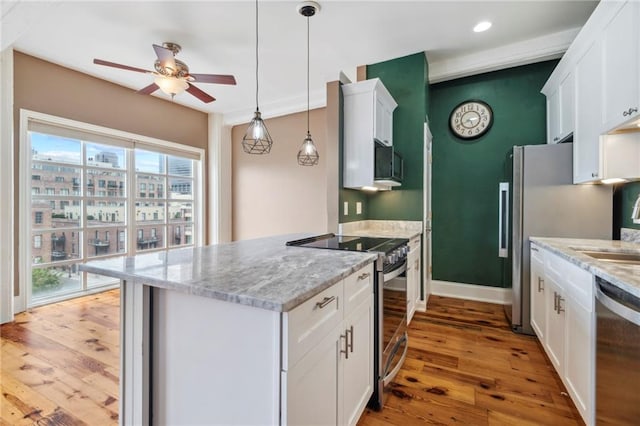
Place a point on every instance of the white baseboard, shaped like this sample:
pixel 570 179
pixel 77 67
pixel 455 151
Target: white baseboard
pixel 471 292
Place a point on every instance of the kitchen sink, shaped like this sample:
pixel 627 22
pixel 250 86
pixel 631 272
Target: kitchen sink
pixel 614 257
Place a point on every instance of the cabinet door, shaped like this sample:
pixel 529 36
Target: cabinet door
pixel 567 105
pixel 580 363
pixel 555 323
pixel 538 302
pixel 553 117
pixel 621 49
pixel 383 122
pixel 358 367
pixel 586 143
pixel 310 388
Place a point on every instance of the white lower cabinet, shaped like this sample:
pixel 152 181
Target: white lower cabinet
pixel 332 381
pixel 413 276
pixel 563 318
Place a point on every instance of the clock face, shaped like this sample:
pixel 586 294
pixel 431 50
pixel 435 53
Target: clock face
pixel 471 119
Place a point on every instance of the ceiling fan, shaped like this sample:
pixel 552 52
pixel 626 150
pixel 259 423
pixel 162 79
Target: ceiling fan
pixel 172 76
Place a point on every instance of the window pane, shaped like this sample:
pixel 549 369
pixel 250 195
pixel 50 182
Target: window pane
pixel 180 166
pixel 55 280
pixel 149 212
pixel 51 179
pixel 54 214
pixel 150 186
pixel 180 212
pixel 54 148
pixel 180 188
pixel 105 156
pixel 104 183
pixel 149 162
pixel 180 234
pixel 149 237
pixel 56 246
pixel 106 240
pixel 106 213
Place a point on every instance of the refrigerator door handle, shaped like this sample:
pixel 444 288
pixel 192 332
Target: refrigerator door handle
pixel 503 220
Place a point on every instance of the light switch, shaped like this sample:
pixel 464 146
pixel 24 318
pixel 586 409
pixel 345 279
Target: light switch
pixel 358 207
pixel 346 208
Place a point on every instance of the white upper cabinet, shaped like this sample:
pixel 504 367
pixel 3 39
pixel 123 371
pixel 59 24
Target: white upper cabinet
pixel 621 60
pixel 561 110
pixel 368 117
pixel 586 144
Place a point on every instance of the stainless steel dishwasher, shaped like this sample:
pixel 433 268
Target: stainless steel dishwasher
pixel 617 356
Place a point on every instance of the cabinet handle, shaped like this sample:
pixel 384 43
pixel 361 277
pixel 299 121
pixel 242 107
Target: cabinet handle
pixel 534 248
pixel 556 139
pixel 540 284
pixel 325 302
pixel 363 276
pixel 350 339
pixel 594 174
pixel 629 112
pixel 346 344
pixel 555 301
pixel 560 308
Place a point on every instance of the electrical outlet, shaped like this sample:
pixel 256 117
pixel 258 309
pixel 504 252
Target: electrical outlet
pixel 358 207
pixel 346 208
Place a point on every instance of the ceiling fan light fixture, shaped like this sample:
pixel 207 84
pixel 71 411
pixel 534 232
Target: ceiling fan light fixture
pixel 171 85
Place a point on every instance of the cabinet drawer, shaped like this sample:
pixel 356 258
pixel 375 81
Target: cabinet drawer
pixel 357 287
pixel 306 325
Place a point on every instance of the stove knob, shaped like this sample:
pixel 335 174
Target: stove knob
pixel 405 250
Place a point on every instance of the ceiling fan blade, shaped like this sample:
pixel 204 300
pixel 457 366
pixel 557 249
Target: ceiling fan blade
pixel 214 78
pixel 114 65
pixel 149 89
pixel 165 56
pixel 204 97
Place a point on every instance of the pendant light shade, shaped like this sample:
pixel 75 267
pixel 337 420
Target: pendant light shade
pixel 308 154
pixel 257 139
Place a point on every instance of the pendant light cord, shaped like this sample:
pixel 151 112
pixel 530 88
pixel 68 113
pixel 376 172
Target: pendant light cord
pixel 308 75
pixel 257 87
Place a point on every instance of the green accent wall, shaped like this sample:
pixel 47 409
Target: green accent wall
pixel 406 79
pixel 629 194
pixel 465 174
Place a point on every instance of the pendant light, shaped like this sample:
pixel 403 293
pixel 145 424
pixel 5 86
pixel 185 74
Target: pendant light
pixel 257 139
pixel 308 154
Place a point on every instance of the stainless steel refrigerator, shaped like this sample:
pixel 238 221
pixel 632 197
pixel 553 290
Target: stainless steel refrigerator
pixel 538 199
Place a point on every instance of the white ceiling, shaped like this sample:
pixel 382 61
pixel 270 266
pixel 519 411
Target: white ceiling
pixel 219 37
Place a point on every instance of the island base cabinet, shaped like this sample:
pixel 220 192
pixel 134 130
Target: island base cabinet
pixel 310 388
pixel 213 360
pixel 579 372
pixel 538 307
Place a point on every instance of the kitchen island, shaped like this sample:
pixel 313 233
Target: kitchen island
pixel 225 334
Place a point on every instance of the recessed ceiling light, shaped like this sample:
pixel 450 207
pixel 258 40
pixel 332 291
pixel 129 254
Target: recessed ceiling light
pixel 482 26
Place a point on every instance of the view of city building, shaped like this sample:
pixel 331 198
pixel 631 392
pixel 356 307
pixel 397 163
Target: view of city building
pixel 80 208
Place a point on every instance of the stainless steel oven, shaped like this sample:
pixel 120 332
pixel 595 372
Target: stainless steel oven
pixel 390 302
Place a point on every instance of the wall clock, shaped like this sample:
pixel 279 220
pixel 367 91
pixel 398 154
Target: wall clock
pixel 471 119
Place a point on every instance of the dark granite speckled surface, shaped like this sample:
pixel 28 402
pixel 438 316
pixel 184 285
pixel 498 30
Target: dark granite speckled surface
pixel 263 273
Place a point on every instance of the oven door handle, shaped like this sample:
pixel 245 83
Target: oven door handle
pixel 398 271
pixel 403 341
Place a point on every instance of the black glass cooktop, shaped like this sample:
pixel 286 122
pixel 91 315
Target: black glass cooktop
pixel 350 243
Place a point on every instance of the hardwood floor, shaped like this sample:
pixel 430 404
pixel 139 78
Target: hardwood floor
pixel 465 366
pixel 59 366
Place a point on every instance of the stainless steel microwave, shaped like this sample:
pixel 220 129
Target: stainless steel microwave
pixel 389 165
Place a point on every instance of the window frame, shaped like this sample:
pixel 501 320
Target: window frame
pixel 98 135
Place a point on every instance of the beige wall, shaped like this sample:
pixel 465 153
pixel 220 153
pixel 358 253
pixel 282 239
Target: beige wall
pixel 271 193
pixel 48 88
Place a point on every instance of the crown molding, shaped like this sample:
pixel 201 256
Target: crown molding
pixel 538 49
pixel 317 99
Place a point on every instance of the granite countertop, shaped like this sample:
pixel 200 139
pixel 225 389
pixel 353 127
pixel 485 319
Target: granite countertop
pixel 386 233
pixel 382 228
pixel 624 276
pixel 263 273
